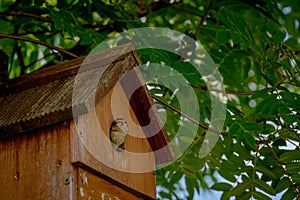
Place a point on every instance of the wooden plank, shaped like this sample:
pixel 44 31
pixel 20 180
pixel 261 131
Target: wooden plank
pixel 91 146
pixel 91 186
pixel 35 166
pixel 10 173
pixel 21 127
pixel 147 115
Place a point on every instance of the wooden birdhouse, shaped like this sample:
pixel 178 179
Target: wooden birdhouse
pixel 55 131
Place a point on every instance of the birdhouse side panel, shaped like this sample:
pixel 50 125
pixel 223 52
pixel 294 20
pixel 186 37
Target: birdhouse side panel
pixel 37 165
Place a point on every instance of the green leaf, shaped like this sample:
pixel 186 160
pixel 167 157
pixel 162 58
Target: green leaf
pixel 176 177
pixel 268 128
pixel 191 185
pixel 213 162
pixel 274 108
pixel 251 127
pixel 186 139
pixel 265 171
pixel 243 152
pixel 235 37
pixel 290 25
pixel 234 109
pixel 247 169
pixel 221 186
pixel 293 168
pixel 284 110
pixel 270 81
pixel 4 4
pixel 189 172
pixel 292 42
pixel 241 187
pixel 194 163
pixel 222 37
pixel 260 196
pixel 227 165
pixel 240 136
pixel 278 36
pixel 228 175
pixel 265 105
pixel 225 195
pixel 237 160
pixel 289 194
pixel 261 93
pixel 290 134
pixel 250 139
pixel 290 119
pixel 291 99
pixel 166 195
pixel 296 178
pixel 290 155
pixel 234 129
pixel 264 186
pixel 282 184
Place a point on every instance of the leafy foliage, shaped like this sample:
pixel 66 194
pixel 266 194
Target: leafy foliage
pixel 255 45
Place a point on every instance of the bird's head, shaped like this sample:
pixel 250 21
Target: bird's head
pixel 120 124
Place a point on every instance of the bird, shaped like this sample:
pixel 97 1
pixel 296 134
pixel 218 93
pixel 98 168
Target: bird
pixel 118 132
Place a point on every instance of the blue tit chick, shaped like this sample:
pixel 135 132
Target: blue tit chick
pixel 118 132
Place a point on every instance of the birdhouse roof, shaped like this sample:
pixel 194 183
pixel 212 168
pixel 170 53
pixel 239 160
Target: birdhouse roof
pixel 44 97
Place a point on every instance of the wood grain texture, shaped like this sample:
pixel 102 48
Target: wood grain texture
pixel 93 187
pixel 35 166
pixel 147 115
pixel 91 146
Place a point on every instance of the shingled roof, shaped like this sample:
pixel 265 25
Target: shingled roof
pixel 44 97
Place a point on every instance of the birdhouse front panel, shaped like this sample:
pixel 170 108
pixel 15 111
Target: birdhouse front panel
pixel 91 186
pixel 93 148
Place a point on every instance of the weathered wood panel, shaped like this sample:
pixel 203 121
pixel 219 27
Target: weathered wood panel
pixel 147 114
pixel 93 187
pixel 91 146
pixel 35 166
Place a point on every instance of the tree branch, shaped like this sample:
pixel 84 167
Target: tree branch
pixel 18 52
pixel 184 10
pixel 221 91
pixel 188 117
pixel 283 168
pixel 14 13
pixel 203 18
pixel 38 42
pixel 152 7
pixel 199 123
